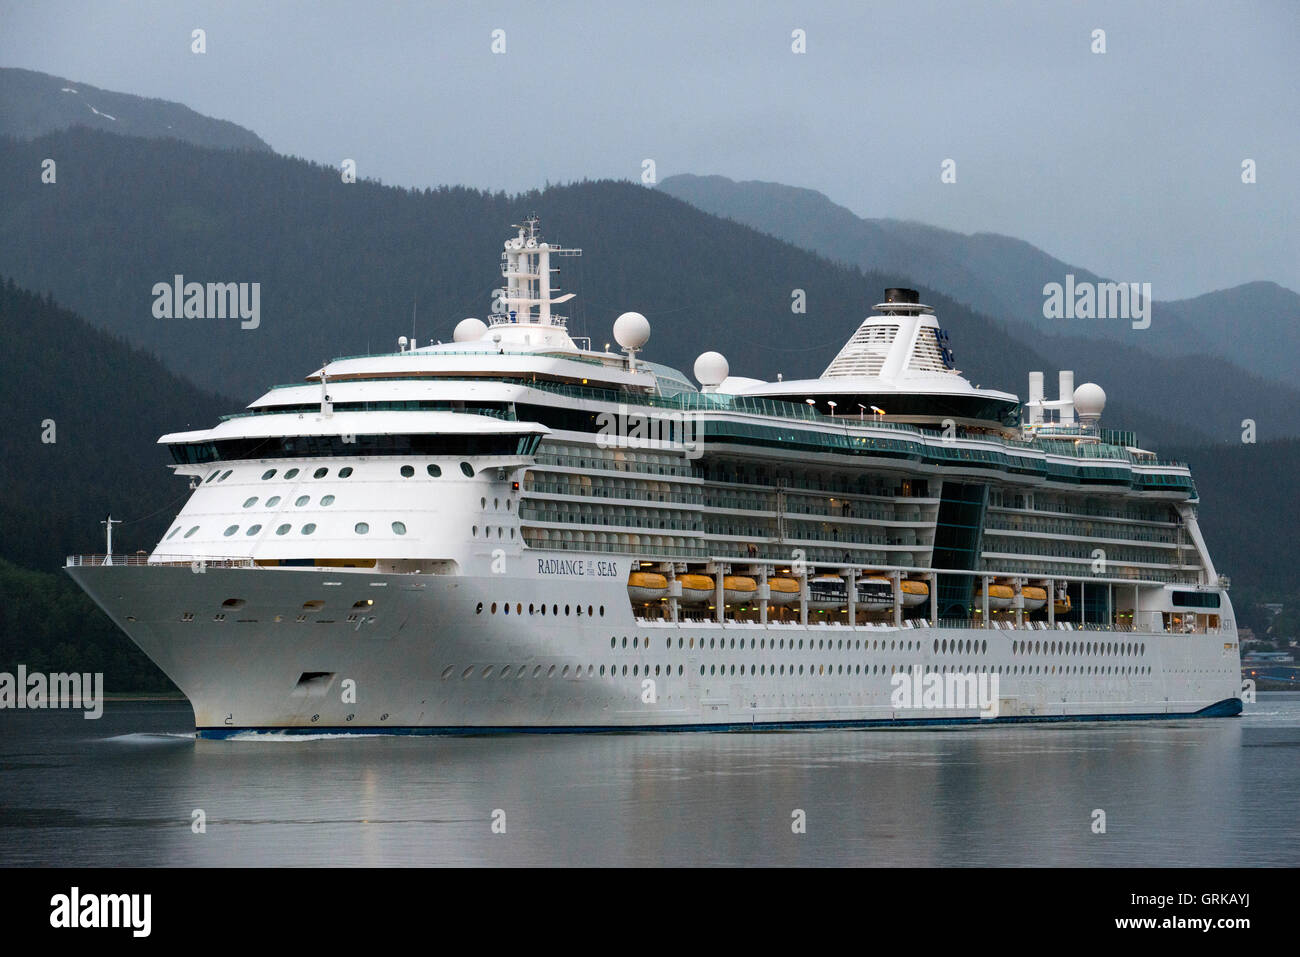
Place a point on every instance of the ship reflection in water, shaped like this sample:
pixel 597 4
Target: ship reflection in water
pixel 124 791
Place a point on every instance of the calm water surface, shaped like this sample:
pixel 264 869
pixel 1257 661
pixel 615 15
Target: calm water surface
pixel 122 790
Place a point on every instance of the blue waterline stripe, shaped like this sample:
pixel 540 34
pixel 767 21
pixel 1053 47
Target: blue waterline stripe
pixel 1226 708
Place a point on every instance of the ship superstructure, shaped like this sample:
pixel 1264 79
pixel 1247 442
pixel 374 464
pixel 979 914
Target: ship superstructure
pixel 513 531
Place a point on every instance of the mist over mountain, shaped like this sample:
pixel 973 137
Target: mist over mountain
pixel 32 104
pixel 1255 326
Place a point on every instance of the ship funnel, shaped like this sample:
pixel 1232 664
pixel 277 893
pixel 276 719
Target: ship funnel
pixel 1035 405
pixel 1066 380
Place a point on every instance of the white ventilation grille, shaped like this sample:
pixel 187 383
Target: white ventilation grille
pixel 865 353
pixel 926 354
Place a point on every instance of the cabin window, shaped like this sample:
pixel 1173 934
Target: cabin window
pixel 399 528
pixel 302 500
pixel 292 473
pixel 407 471
pixel 361 528
pixel 345 471
pixel 230 531
pixel 273 501
pixel 327 500
pixel 309 528
pixel 191 531
pixel 269 473
pixel 434 471
pixel 250 502
pixel 282 530
pixel 467 469
pixel 320 473
pixel 253 530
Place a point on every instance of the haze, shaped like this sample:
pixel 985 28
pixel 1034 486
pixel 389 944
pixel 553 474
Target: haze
pixel 1127 163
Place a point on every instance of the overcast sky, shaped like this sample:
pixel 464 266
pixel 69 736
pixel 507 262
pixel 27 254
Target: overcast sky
pixel 1127 162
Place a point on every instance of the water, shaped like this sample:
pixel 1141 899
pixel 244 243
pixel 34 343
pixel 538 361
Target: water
pixel 122 790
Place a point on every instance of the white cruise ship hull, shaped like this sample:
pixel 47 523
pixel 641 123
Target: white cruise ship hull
pixel 426 654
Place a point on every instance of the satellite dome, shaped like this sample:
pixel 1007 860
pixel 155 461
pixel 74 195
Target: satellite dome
pixel 1089 400
pixel 711 368
pixel 469 330
pixel 631 330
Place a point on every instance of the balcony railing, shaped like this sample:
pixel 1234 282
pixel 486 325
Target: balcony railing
pixel 142 558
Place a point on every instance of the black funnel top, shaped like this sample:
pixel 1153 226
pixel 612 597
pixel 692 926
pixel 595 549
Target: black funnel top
pixel 902 295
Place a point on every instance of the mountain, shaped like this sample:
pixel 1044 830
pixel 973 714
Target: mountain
pixel 32 104
pixel 1247 493
pixel 1255 326
pixel 340 266
pixel 85 411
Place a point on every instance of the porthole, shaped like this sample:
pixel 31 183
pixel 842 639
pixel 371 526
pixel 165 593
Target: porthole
pixel 225 475
pixel 478 609
pixel 230 531
pixel 467 469
pixel 309 528
pixel 566 609
pixel 253 530
pixel 273 501
pixel 302 500
pixel 212 476
pixel 399 528
pixel 482 503
pixel 494 608
pixel 320 473
pixel 173 532
pixel 519 608
pixel 250 502
pixel 473 530
pixel 434 471
pixel 506 608
pixel 345 471
pixel 269 473
pixel 361 528
pixel 282 530
pixel 291 474
pixel 327 500
pixel 408 471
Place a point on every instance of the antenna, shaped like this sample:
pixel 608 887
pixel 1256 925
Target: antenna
pixel 108 524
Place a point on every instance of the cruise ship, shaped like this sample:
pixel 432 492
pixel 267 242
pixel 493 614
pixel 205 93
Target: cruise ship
pixel 515 532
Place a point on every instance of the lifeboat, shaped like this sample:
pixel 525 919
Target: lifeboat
pixel 696 588
pixel 914 592
pixel 1034 597
pixel 1000 596
pixel 827 593
pixel 782 591
pixel 647 586
pixel 1062 604
pixel 875 593
pixel 739 589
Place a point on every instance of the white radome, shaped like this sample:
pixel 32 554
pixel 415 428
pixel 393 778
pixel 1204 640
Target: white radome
pixel 632 330
pixel 1089 399
pixel 469 330
pixel 711 368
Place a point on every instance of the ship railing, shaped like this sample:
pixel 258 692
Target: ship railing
pixel 142 558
